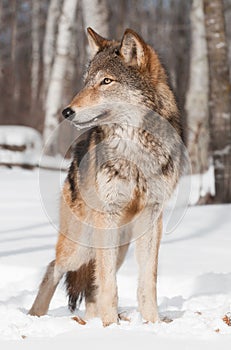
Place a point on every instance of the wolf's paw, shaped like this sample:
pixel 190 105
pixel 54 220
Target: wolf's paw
pixel 108 323
pixel 166 319
pixel 150 317
pixel 108 320
pixel 123 316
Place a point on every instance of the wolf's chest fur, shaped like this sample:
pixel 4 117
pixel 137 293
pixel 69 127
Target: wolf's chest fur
pixel 118 166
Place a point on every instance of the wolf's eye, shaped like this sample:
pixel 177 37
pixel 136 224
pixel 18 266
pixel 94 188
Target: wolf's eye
pixel 106 81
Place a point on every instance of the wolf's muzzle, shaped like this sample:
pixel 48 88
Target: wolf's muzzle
pixel 68 113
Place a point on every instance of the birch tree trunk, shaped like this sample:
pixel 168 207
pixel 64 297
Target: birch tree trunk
pixel 220 98
pixel 55 88
pixel 35 50
pixel 197 95
pixel 50 40
pixel 95 15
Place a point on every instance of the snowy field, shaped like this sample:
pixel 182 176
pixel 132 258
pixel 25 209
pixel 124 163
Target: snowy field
pixel 194 285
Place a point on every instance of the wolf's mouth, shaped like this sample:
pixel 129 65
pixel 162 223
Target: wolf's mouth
pixel 93 121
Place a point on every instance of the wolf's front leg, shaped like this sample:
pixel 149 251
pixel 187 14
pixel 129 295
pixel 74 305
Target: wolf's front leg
pixel 147 248
pixel 91 301
pixel 46 290
pixel 107 300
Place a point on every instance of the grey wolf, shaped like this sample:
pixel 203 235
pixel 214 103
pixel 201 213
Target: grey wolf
pixel 128 191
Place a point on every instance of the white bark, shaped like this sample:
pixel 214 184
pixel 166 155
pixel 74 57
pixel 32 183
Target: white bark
pixel 35 49
pixel 73 57
pixel 49 40
pixel 197 95
pixel 95 15
pixel 55 88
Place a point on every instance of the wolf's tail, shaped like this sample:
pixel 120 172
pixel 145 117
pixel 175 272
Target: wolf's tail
pixel 80 284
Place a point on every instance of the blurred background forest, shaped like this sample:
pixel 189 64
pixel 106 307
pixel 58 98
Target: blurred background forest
pixel 43 54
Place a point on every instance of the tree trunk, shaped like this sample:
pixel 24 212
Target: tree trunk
pixel 58 71
pixel 180 39
pixel 13 6
pixel 220 98
pixel 197 95
pixel 95 15
pixel 35 50
pixel 14 32
pixel 49 41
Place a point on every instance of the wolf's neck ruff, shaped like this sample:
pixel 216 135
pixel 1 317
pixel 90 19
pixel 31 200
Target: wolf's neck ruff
pixel 119 160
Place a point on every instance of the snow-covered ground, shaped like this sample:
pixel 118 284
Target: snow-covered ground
pixel 194 285
pixel 27 144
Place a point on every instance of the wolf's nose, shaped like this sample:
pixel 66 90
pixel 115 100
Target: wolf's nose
pixel 68 113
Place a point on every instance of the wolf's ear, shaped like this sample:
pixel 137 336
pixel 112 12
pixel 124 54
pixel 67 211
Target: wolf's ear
pixel 133 49
pixel 96 42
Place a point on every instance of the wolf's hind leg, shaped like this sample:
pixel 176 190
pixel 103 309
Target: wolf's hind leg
pixel 46 290
pixel 91 297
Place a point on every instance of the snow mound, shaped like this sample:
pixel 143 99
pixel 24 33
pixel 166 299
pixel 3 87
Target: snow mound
pixel 20 145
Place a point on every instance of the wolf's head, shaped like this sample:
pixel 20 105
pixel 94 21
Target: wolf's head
pixel 120 72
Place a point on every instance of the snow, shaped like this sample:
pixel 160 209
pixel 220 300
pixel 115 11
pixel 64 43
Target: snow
pixel 20 136
pixel 201 184
pixel 194 283
pixel 33 154
pixel 54 162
